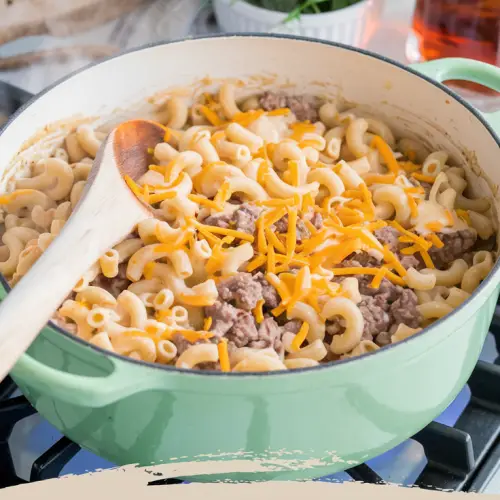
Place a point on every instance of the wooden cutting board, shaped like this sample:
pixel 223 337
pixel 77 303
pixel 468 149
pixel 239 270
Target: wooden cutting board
pixel 20 18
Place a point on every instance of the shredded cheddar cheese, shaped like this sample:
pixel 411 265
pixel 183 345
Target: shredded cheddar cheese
pixel 291 237
pixel 210 115
pixel 228 232
pixel 257 311
pixel 158 197
pixel 255 263
pixel 423 178
pixel 386 153
pixel 409 166
pixel 449 217
pixel 223 355
pixel 434 226
pixel 195 336
pixel 464 215
pixel 376 282
pixel 204 201
pixel 367 270
pixel 300 337
pixel 259 193
pixel 207 323
pixel 413 205
pixel 271 259
pixel 434 239
pixel 371 179
pixel 278 112
pixel 134 187
pixel 427 259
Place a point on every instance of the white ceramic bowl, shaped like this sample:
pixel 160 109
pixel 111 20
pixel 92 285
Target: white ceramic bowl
pixel 345 25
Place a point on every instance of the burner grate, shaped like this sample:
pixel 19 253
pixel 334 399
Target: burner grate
pixel 52 462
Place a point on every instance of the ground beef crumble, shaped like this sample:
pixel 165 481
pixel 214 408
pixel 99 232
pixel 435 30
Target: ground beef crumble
pixel 242 219
pixel 390 236
pixel 240 329
pixel 115 285
pixel 302 232
pixel 304 107
pixel 241 288
pixel 383 308
pixel 456 246
pixel 269 293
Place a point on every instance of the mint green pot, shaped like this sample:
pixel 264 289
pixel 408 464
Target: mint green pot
pixel 327 418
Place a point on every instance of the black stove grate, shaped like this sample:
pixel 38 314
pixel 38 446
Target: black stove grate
pixel 460 458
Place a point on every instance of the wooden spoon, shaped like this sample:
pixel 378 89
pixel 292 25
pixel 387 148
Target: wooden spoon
pixel 106 213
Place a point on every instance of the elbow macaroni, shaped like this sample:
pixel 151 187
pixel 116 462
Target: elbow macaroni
pixel 240 189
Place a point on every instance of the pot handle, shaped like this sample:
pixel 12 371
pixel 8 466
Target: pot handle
pixel 81 390
pixel 456 68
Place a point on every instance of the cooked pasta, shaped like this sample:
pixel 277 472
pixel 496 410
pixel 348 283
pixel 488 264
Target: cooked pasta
pixel 287 233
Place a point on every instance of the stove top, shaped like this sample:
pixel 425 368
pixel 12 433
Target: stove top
pixel 459 451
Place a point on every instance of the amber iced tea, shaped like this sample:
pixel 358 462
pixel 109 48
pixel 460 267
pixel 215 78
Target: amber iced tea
pixel 457 28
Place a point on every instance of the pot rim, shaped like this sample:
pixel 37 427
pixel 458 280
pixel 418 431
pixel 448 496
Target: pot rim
pixel 495 271
pixel 256 9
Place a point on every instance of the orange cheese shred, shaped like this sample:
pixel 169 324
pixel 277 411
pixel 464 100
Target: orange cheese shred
pixel 411 250
pixel 207 323
pixel 274 216
pixel 376 282
pixel 464 215
pixel 412 204
pixel 293 166
pixel 379 179
pixel 291 236
pixel 279 112
pixel 195 300
pixel 134 187
pixel 210 115
pixel 386 153
pixel 434 239
pixel 449 217
pixel 275 241
pixel 201 200
pixel 278 311
pixel 194 336
pixel 393 260
pixel 257 311
pixel 223 356
pixel 271 260
pixel 434 226
pixel 227 232
pixel 409 166
pixel 427 259
pixel 158 197
pixel 255 263
pixel 261 236
pixel 367 270
pixel 276 202
pixel 423 178
pixel 300 337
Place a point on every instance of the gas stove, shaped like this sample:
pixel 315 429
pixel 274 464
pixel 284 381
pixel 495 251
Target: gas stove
pixel 459 451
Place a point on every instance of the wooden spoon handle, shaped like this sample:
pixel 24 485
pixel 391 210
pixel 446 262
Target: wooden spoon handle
pixel 106 214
